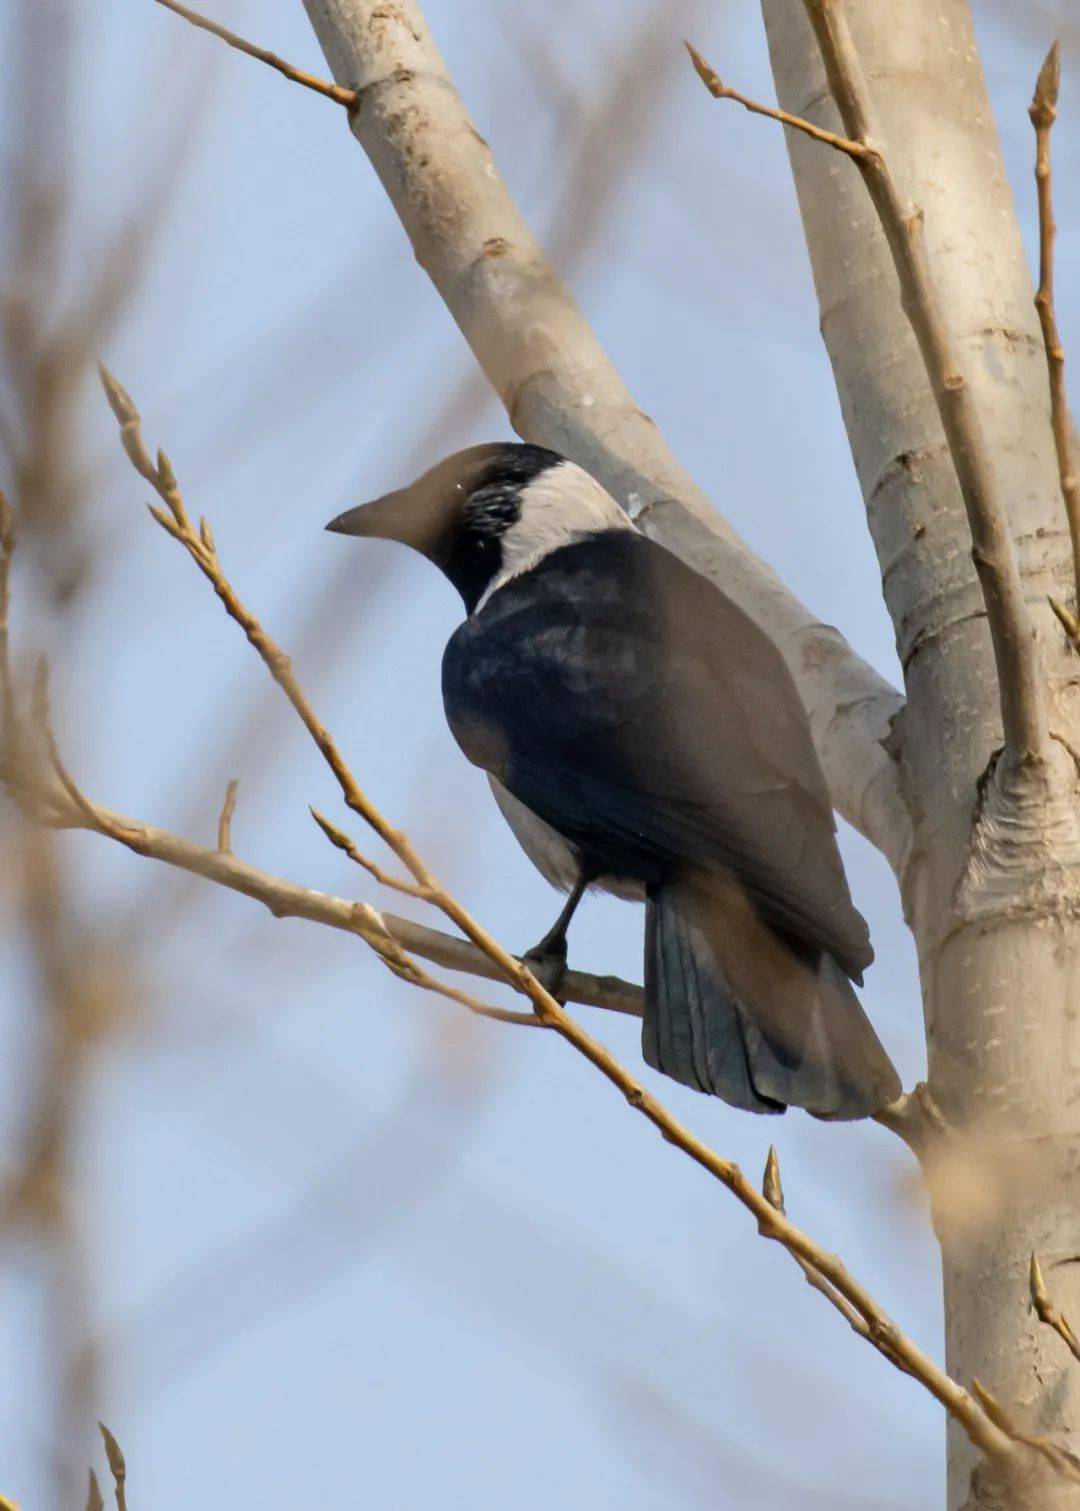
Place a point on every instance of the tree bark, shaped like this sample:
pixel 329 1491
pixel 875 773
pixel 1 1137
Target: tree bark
pixel 991 893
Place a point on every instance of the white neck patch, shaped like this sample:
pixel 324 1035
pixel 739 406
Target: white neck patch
pixel 560 505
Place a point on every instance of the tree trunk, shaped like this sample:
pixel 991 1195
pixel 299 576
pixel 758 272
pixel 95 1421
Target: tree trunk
pixel 991 889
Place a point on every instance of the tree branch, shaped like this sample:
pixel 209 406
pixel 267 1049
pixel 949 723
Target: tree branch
pixel 224 828
pixel 773 1191
pixel 560 389
pixel 1023 710
pixel 7 690
pixel 1046 1311
pixel 347 97
pixel 1043 114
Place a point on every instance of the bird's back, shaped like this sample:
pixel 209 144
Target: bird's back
pixel 627 701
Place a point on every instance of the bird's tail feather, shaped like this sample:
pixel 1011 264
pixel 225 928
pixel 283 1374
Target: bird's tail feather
pixel 736 1008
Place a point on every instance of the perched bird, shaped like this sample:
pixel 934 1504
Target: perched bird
pixel 643 735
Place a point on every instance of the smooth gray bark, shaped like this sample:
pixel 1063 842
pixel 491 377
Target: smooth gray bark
pixel 991 894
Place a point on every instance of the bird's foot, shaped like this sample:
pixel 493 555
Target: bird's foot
pixel 547 962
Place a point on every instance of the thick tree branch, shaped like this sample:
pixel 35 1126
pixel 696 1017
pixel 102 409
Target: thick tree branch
pixel 1019 679
pixel 984 1433
pixel 1043 114
pixel 559 388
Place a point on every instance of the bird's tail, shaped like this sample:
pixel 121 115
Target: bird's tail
pixel 738 1009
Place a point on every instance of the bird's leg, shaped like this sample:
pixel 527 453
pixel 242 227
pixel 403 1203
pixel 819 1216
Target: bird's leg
pixel 547 960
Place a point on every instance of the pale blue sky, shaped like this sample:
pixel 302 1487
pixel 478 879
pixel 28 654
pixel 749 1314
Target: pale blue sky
pixel 347 1247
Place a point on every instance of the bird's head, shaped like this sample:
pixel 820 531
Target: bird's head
pixel 487 513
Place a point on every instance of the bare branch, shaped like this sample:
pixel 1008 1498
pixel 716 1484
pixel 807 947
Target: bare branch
pixel 1068 623
pixel 95 1501
pixel 350 98
pixel 7 687
pixel 1063 1462
pixel 401 965
pixel 341 841
pixel 117 1466
pixel 1043 114
pixel 224 828
pixel 285 899
pixel 720 91
pixel 773 1192
pixel 1047 1312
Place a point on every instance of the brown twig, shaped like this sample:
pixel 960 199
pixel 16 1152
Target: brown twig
pixel 341 841
pixel 403 966
pixel 389 937
pixel 881 1330
pixel 1046 1311
pixel 7 686
pixel 95 1501
pixel 721 91
pixel 1064 1462
pixel 1023 711
pixel 773 1191
pixel 350 98
pixel 224 828
pixel 1068 623
pixel 1043 113
pixel 285 899
pixel 117 1466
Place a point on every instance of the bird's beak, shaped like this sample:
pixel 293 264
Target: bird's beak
pixel 386 518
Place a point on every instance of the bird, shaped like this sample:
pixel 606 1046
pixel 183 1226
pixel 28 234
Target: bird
pixel 643 735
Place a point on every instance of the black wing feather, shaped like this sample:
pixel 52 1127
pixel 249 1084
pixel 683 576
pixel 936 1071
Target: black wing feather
pixel 626 700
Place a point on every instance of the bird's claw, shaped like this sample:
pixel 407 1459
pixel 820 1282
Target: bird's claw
pixel 548 965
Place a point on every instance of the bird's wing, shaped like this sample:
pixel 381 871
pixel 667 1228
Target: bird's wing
pixel 627 701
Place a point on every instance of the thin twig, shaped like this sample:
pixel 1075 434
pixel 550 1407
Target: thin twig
pixel 341 841
pixel 350 98
pixel 7 686
pixel 1068 623
pixel 403 966
pixel 1023 711
pixel 117 1466
pixel 1046 1311
pixel 285 899
pixel 389 937
pixel 721 91
pixel 882 1331
pixel 1061 1459
pixel 224 828
pixel 95 1501
pixel 773 1191
pixel 1043 113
